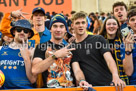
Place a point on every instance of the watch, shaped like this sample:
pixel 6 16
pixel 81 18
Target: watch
pixel 128 52
pixel 54 57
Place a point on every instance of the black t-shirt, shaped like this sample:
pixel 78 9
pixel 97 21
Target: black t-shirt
pixel 89 54
pixel 59 73
pixel 47 24
pixel 41 48
pixel 40 53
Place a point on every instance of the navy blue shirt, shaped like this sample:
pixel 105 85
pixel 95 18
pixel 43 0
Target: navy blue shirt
pixel 132 78
pixel 124 25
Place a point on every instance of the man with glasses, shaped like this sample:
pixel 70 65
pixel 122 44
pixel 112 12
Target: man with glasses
pixel 15 59
pixel 41 33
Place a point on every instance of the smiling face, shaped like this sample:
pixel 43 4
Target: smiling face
pixel 111 27
pixel 120 13
pixel 58 31
pixel 7 39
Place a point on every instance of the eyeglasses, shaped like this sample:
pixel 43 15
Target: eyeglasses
pixel 24 30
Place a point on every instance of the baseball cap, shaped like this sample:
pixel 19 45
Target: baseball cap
pixel 38 9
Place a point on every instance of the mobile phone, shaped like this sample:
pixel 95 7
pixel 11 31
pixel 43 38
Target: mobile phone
pixel 125 31
pixel 134 37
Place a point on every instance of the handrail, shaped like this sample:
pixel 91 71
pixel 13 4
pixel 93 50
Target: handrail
pixel 102 88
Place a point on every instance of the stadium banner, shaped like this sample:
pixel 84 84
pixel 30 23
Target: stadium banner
pixel 28 5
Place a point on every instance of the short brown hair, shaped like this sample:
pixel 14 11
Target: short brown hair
pixel 119 4
pixel 132 7
pixel 131 13
pixel 78 15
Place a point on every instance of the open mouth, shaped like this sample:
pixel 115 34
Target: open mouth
pixel 120 15
pixel 80 29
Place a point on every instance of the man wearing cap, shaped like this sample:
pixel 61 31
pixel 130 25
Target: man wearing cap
pixel 15 60
pixel 38 19
pixel 41 33
pixel 52 58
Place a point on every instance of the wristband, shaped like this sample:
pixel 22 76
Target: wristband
pixel 128 52
pixel 54 57
pixel 81 80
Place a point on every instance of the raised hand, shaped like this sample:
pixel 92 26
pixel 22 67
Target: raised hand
pixel 128 41
pixel 18 14
pixel 24 50
pixel 63 52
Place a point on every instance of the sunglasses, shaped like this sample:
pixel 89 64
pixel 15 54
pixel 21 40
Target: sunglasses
pixel 24 30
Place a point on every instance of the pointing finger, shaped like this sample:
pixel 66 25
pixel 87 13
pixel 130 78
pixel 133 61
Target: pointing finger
pixel 23 16
pixel 71 49
pixel 27 43
pixel 21 9
pixel 22 40
pixel 68 45
pixel 24 13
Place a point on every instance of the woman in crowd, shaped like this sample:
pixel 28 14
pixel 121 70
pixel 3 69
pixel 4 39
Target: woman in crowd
pixel 111 32
pixel 96 25
pixel 5 40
